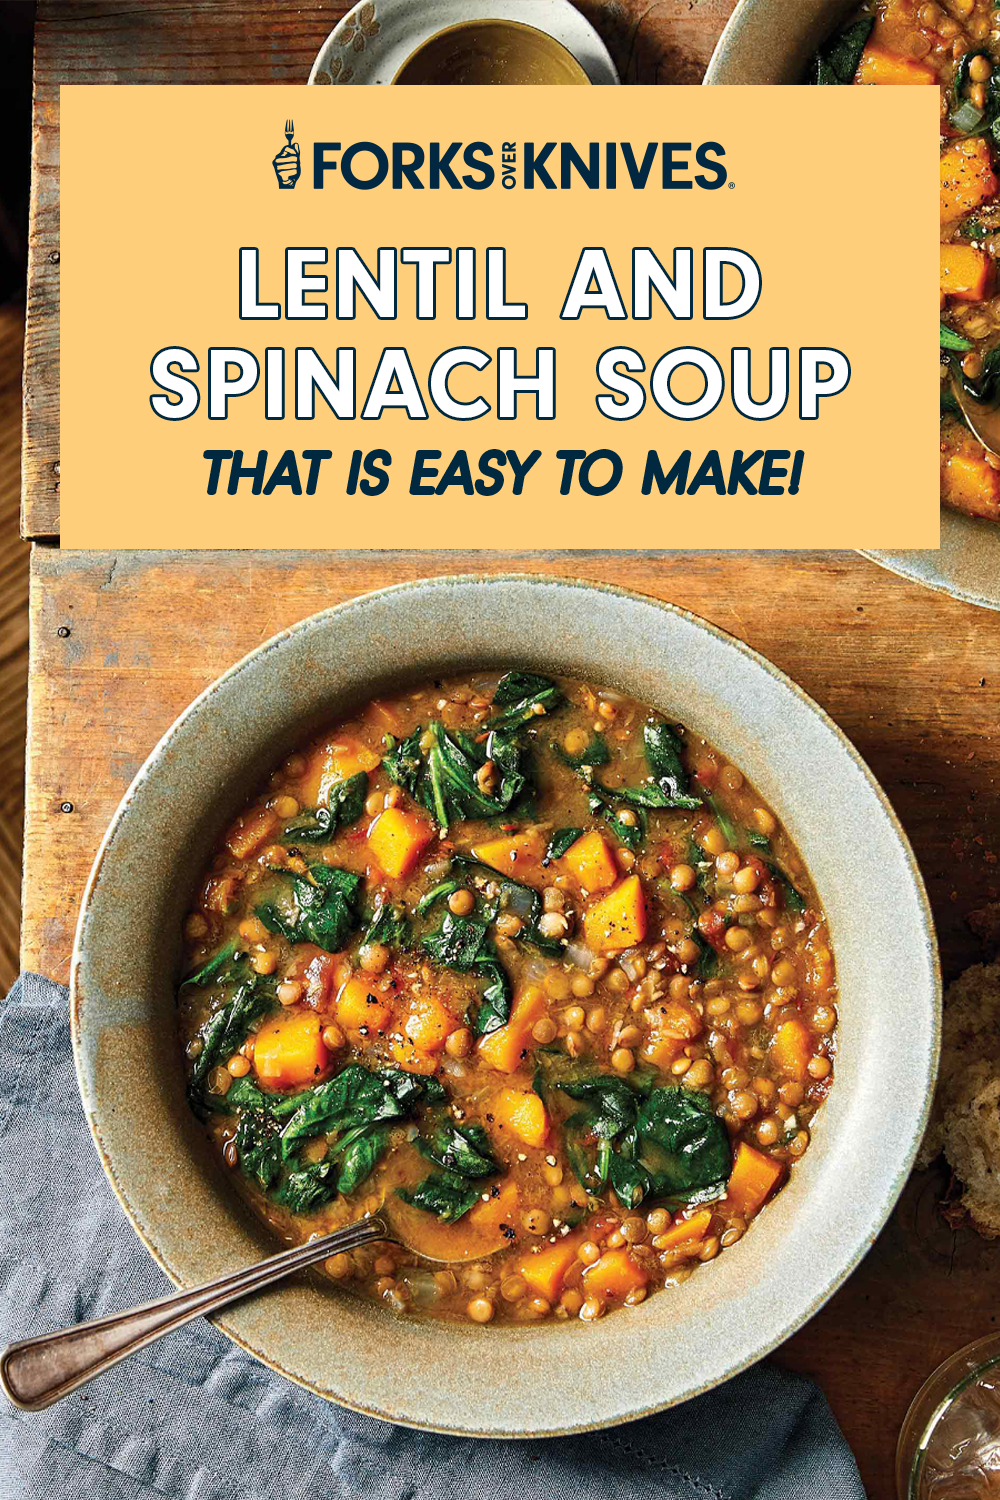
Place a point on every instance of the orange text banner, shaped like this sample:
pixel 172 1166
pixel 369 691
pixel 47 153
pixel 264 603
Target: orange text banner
pixel 446 318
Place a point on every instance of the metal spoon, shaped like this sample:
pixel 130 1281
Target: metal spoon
pixel 983 421
pixel 36 1372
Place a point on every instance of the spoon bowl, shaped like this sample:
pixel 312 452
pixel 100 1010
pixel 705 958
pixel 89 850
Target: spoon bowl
pixel 983 421
pixel 446 1244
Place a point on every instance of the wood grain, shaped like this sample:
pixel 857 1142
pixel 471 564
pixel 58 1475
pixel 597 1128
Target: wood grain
pixel 14 561
pixel 220 42
pixel 911 677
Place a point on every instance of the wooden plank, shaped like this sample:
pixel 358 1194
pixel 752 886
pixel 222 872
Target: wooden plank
pixel 219 42
pixel 910 675
pixel 14 560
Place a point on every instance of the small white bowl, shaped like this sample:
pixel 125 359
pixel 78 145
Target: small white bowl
pixel 376 38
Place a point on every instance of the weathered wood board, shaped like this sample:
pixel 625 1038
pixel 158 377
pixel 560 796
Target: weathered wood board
pixel 230 41
pixel 911 676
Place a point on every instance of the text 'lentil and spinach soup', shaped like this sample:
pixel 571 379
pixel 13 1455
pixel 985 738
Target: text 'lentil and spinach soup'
pixel 530 965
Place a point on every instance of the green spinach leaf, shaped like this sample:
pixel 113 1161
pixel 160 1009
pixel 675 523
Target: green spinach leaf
pixel 224 967
pixel 359 1155
pixel 521 697
pixel 357 1097
pixel 603 802
pixel 308 1187
pixel 443 1193
pixel 437 893
pixel 965 117
pixel 464 1149
pixel 442 777
pixel 685 1144
pixel 360 1105
pixel 389 925
pixel 952 340
pixel 464 944
pixel 503 893
pixel 596 753
pixel 345 804
pixel 624 808
pixel 984 387
pixel 327 913
pixel 258 1146
pixel 227 1030
pixel 663 755
pixel 729 830
pixel 644 1140
pixel 836 61
pixel 708 959
pixel 793 898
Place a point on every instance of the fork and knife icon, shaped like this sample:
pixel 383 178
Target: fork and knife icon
pixel 287 164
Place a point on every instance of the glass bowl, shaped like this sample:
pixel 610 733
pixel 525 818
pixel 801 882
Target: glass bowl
pixel 949 1445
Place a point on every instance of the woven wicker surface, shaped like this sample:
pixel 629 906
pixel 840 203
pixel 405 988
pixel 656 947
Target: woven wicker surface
pixel 14 557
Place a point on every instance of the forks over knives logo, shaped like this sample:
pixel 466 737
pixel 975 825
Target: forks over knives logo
pixel 287 164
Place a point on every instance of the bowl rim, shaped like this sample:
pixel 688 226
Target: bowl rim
pixel 877 1216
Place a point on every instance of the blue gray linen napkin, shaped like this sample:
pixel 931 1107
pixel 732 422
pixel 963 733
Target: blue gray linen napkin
pixel 193 1416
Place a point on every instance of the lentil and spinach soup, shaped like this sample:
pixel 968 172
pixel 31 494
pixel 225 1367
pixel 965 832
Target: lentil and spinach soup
pixel 530 965
pixel 954 44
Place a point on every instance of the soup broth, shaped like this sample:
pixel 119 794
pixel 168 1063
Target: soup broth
pixel 531 965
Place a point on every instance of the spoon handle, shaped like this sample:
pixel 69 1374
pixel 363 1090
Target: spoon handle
pixel 36 1372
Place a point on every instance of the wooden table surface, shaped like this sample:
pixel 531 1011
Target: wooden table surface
pixel 121 643
pixel 911 676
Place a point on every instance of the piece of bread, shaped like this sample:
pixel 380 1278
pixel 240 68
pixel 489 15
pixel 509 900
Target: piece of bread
pixel 965 1122
pixel 985 923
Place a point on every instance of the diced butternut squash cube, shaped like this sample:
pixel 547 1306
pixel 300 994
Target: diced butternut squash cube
pixel 397 839
pixel 967 178
pixel 678 1018
pixel 966 272
pixel 222 892
pixel 613 1276
pixel 545 1270
pixel 879 66
pixel 519 1113
pixel 591 862
pixel 358 1009
pixel 754 1177
pixel 790 1049
pixel 429 1023
pixel 335 760
pixel 510 855
pixel 250 831
pixel 289 1050
pixel 505 1048
pixel 969 483
pixel 660 1049
pixel 410 1058
pixel 685 1235
pixel 319 971
pixel 499 1209
pixel 618 920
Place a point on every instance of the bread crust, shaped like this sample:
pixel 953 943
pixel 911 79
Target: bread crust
pixel 965 1121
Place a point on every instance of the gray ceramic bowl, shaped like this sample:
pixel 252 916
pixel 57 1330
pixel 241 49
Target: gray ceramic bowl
pixel 771 41
pixel 511 1381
